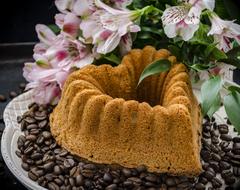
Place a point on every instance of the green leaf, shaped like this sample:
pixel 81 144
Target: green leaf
pixel 152 30
pixel 200 67
pixel 215 106
pixel 155 68
pixel 209 49
pixel 234 88
pixel 209 92
pixel 113 58
pixel 54 28
pixel 233 57
pixel 201 37
pixel 232 106
pixel 218 54
pixel 175 51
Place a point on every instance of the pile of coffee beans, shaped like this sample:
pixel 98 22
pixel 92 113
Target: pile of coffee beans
pixel 55 168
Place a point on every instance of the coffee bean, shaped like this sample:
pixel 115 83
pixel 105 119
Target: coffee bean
pixel 226 137
pixel 28 150
pixel 90 167
pixel 126 172
pixel 107 177
pixel 46 134
pixel 216 157
pixel 31 137
pixel 223 129
pixel 48 166
pixel 236 146
pixel 224 165
pixel 30 120
pixel 42 124
pixel 12 94
pixel 216 183
pixel 18 153
pixel 214 165
pixel 25 166
pixel 203 180
pixel 209 175
pixel 230 180
pixel 215 140
pixel 36 156
pixel 206 155
pixel 2 98
pixel 22 86
pixel 135 180
pixel 53 186
pixel 87 173
pixel 236 171
pixel 236 139
pixel 152 178
pixel 214 133
pixel 68 163
pixel 206 135
pixel 79 180
pixel 32 176
pixel 170 182
pixel 112 187
pixel 200 186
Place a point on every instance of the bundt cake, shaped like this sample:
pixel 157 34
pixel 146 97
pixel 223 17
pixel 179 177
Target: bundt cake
pixel 104 117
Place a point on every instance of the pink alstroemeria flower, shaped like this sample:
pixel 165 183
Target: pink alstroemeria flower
pixel 106 27
pixel 223 31
pixel 184 20
pixel 78 7
pixel 56 57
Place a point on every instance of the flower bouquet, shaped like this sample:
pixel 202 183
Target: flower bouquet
pixel 202 34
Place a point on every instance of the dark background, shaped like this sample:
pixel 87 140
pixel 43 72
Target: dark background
pixel 19 17
pixel 17 24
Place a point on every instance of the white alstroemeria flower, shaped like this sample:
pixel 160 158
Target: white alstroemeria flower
pixel 184 20
pixel 78 7
pixel 202 4
pixel 223 31
pixel 181 21
pixel 106 26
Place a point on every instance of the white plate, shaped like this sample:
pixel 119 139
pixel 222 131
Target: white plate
pixel 12 131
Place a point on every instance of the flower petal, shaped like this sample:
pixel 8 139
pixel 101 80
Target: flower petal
pixel 111 10
pixel 83 7
pixel 109 45
pixel 209 4
pixel 170 30
pixel 45 34
pixel 193 16
pixel 85 61
pixel 125 44
pixel 71 25
pixel 59 19
pixel 173 15
pixel 188 32
pixel 64 6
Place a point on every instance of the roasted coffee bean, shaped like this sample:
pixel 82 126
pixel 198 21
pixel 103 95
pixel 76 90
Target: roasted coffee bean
pixel 88 173
pixel 226 137
pixel 30 120
pixel 206 155
pixel 18 153
pixel 236 139
pixel 170 182
pixel 206 135
pixel 31 137
pixel 203 180
pixel 224 165
pixel 36 156
pixel 79 180
pixel 135 180
pixel 214 165
pixel 42 124
pixel 214 133
pixel 215 148
pixel 90 167
pixel 209 175
pixel 2 98
pixel 152 178
pixel 12 94
pixel 69 163
pixel 53 186
pixel 126 172
pixel 230 180
pixel 112 187
pixel 107 177
pixel 223 129
pixel 28 150
pixel 32 176
pixel 216 183
pixel 215 140
pixel 216 157
pixel 22 86
pixel 226 173
pixel 200 186
pixel 48 166
pixel 236 171
pixel 25 166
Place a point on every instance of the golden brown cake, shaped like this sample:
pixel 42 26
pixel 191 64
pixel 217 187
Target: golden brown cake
pixel 104 117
